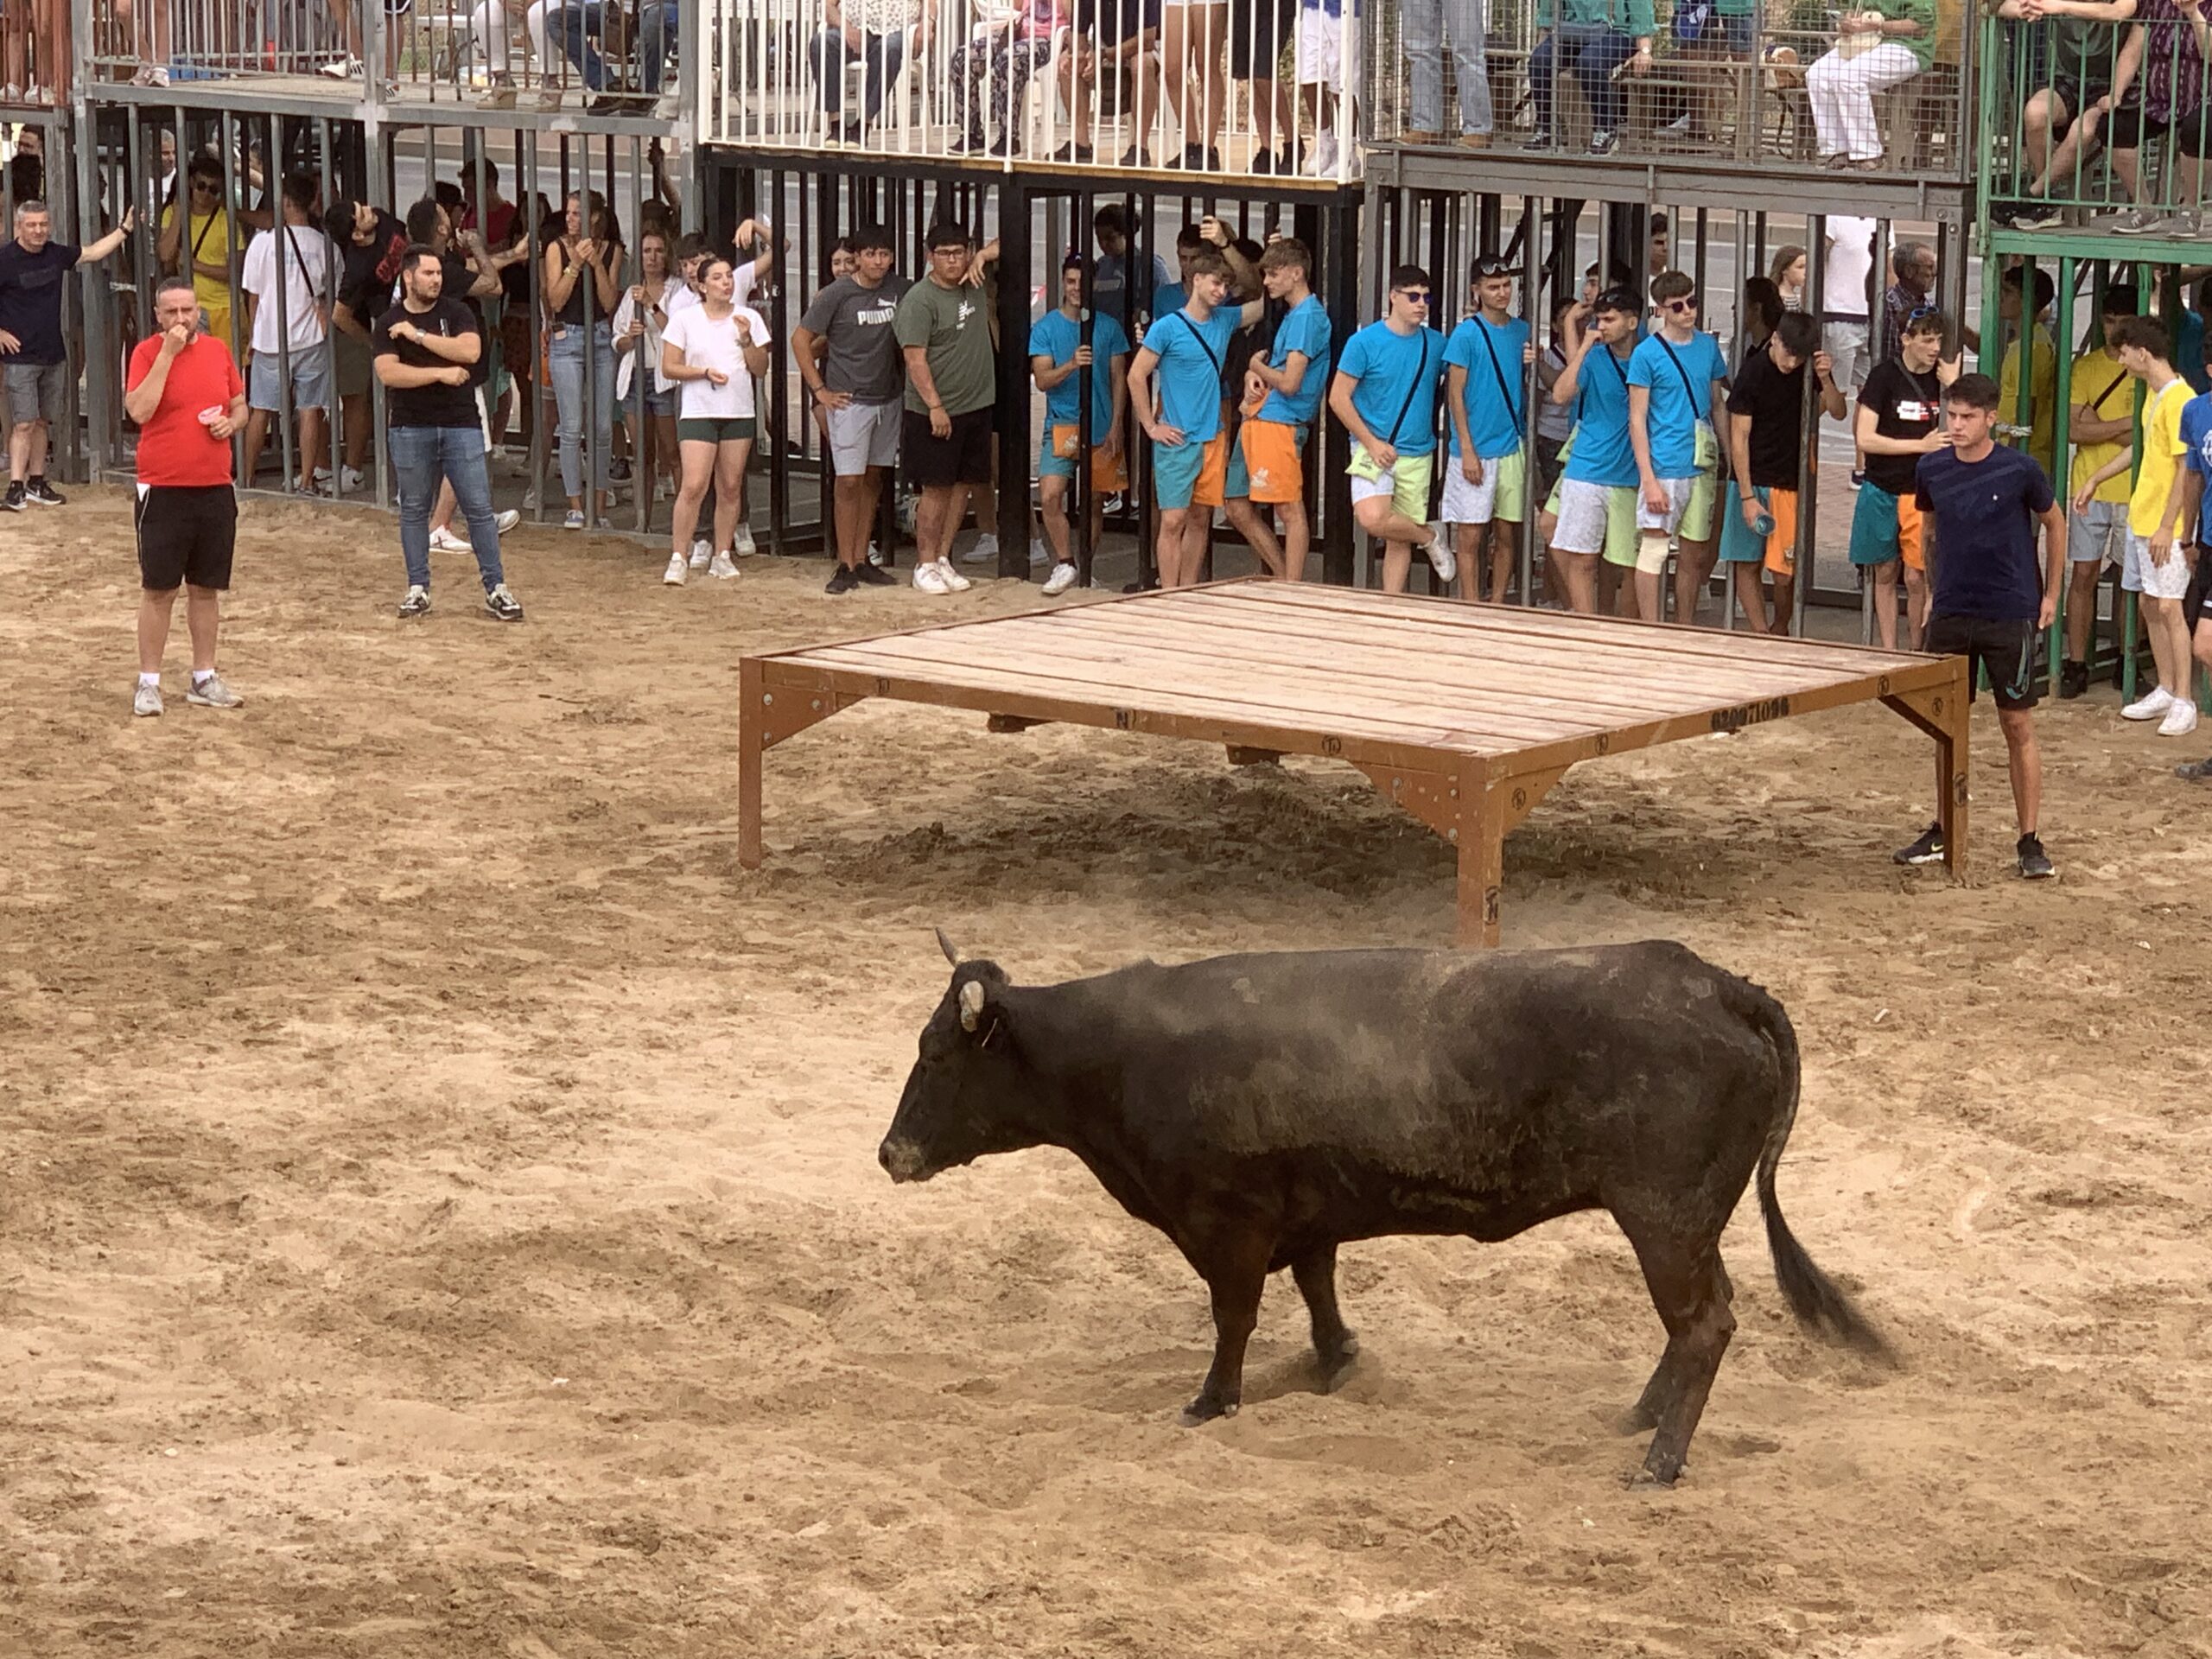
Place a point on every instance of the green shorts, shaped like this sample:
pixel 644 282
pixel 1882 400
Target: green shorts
pixel 720 428
pixel 1405 483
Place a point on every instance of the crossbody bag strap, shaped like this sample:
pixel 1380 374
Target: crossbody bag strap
pixel 1397 427
pixel 1484 328
pixel 1665 347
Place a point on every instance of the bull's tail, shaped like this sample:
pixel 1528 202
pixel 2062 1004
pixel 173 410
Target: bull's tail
pixel 1814 1298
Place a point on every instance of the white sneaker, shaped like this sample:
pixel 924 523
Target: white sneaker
pixel 702 551
pixel 2150 705
pixel 986 550
pixel 506 521
pixel 2180 720
pixel 742 544
pixel 444 541
pixel 953 580
pixel 928 579
pixel 1324 154
pixel 1039 553
pixel 722 567
pixel 674 575
pixel 1060 581
pixel 1440 556
pixel 354 481
pixel 875 555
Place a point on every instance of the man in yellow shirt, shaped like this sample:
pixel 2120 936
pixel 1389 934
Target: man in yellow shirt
pixel 2043 394
pixel 2103 423
pixel 207 251
pixel 2156 568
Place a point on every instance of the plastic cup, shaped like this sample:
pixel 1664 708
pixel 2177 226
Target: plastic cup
pixel 210 415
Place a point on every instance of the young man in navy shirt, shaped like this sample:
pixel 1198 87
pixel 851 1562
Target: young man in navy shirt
pixel 1992 601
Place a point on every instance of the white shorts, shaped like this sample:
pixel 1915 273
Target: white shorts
pixel 862 436
pixel 1328 48
pixel 1585 511
pixel 1678 500
pixel 2139 576
pixel 1845 340
pixel 1466 503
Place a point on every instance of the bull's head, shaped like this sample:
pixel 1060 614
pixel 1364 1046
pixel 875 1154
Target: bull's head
pixel 965 1095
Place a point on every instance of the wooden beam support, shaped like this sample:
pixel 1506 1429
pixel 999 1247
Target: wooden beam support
pixel 1943 712
pixel 766 715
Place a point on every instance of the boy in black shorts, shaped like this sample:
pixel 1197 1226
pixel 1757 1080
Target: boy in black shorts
pixel 1990 601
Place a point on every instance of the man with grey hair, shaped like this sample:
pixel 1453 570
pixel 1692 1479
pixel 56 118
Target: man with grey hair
pixel 31 339
pixel 1913 264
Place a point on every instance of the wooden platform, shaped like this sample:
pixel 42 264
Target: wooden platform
pixel 1463 714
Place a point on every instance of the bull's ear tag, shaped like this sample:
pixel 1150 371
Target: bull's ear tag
pixel 952 951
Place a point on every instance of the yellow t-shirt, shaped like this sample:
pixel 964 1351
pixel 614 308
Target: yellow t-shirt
pixel 2158 469
pixel 2103 388
pixel 2043 396
pixel 206 240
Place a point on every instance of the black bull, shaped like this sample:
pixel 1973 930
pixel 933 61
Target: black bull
pixel 1261 1111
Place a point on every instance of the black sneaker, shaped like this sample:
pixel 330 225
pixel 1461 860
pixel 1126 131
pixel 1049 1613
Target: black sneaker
pixel 14 499
pixel 503 605
pixel 618 470
pixel 1541 138
pixel 841 581
pixel 1071 151
pixel 44 494
pixel 2195 772
pixel 873 575
pixel 1928 849
pixel 1604 143
pixel 1263 162
pixel 2073 680
pixel 417 602
pixel 1212 159
pixel 2035 863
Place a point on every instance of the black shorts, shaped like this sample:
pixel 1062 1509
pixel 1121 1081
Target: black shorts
pixel 1258 31
pixel 2196 610
pixel 935 463
pixel 185 534
pixel 2128 129
pixel 2004 650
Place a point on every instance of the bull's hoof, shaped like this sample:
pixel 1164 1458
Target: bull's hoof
pixel 1336 1366
pixel 1203 1410
pixel 1657 1471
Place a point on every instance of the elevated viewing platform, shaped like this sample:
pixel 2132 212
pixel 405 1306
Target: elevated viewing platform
pixel 542 64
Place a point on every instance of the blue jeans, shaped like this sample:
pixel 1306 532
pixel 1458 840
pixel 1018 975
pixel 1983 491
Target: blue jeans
pixel 1425 23
pixel 881 54
pixel 656 33
pixel 565 355
pixel 421 456
pixel 1589 52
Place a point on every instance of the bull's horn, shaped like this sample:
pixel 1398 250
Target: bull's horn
pixel 952 951
pixel 971 1004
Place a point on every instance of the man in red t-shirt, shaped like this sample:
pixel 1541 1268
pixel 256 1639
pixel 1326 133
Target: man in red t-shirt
pixel 184 392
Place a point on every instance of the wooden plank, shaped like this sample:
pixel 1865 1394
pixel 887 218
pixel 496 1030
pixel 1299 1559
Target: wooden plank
pixel 1318 700
pixel 1022 691
pixel 1661 639
pixel 1506 674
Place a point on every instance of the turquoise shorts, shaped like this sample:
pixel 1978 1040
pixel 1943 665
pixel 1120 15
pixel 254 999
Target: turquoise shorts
pixel 1737 545
pixel 1175 474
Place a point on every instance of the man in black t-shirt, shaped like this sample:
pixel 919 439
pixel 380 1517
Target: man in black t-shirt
pixel 427 348
pixel 1766 436
pixel 1992 600
pixel 1899 419
pixel 370 241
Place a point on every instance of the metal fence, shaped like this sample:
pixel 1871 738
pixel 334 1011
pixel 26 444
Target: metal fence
pixel 1111 85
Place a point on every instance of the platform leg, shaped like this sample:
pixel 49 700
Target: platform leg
pixel 1481 840
pixel 751 745
pixel 1951 771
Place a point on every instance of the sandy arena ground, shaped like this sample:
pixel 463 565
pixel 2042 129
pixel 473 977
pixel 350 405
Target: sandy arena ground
pixel 439 1212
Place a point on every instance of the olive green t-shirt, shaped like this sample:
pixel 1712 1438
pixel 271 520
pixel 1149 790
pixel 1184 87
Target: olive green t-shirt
pixel 954 325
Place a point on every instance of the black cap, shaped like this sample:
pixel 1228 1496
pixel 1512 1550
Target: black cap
pixel 1617 299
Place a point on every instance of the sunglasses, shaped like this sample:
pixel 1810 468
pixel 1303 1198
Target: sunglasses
pixel 1683 305
pixel 1418 295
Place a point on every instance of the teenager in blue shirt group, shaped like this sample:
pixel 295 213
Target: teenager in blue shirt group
pixel 1175 386
pixel 1594 503
pixel 1676 381
pixel 1057 360
pixel 1386 391
pixel 1282 398
pixel 1486 480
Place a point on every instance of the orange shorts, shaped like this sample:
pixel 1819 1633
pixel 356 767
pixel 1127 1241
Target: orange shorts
pixel 1213 472
pixel 1782 544
pixel 1273 470
pixel 1912 532
pixel 1108 474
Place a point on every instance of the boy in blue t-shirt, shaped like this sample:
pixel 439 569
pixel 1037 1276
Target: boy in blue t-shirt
pixel 1485 375
pixel 1057 357
pixel 1676 380
pixel 1282 395
pixel 1175 387
pixel 1594 504
pixel 2196 606
pixel 1385 393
